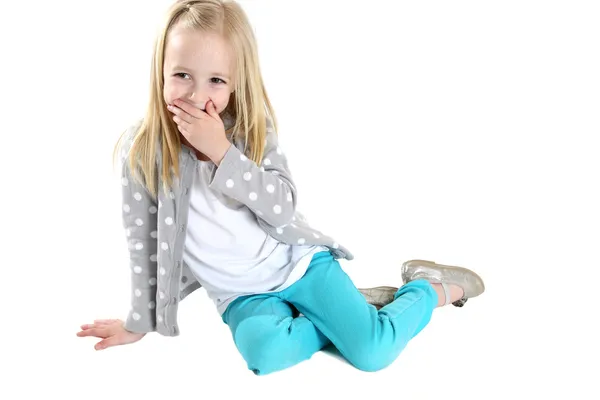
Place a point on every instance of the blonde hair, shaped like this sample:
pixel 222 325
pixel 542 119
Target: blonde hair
pixel 249 104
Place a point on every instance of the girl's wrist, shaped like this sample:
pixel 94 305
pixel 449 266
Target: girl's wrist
pixel 220 152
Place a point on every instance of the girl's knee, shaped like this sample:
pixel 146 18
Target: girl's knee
pixel 261 340
pixel 369 358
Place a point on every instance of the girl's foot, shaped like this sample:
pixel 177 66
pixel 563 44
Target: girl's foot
pixel 445 277
pixel 452 293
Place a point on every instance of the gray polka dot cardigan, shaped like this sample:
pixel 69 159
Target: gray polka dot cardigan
pixel 156 229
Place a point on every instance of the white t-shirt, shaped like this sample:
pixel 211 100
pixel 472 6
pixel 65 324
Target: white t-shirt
pixel 229 253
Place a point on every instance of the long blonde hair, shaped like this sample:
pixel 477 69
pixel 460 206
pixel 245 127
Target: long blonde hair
pixel 249 104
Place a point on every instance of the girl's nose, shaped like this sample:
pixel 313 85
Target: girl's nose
pixel 197 100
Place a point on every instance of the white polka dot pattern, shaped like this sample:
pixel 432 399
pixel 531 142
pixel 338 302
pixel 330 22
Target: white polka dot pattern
pixel 139 213
pixel 267 189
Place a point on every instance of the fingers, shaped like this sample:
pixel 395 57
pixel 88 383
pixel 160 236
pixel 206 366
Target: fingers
pixel 211 109
pixel 181 124
pixel 190 109
pixel 182 119
pixel 99 322
pixel 183 131
pixel 185 110
pixel 105 321
pixel 180 116
pixel 108 342
pixel 93 330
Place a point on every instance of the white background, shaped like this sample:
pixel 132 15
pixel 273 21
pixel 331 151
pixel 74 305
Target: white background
pixel 463 132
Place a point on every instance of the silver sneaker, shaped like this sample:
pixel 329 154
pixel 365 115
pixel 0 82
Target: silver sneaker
pixel 379 296
pixel 469 281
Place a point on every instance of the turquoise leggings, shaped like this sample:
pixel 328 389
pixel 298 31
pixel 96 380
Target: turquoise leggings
pixel 271 336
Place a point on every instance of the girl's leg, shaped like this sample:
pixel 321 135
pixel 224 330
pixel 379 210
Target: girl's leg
pixel 369 339
pixel 268 336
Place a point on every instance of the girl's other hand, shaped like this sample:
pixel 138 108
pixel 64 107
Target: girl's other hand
pixel 111 331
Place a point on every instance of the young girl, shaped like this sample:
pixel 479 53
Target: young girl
pixel 208 200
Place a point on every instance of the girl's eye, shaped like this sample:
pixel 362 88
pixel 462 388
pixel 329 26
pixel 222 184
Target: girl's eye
pixel 181 75
pixel 216 80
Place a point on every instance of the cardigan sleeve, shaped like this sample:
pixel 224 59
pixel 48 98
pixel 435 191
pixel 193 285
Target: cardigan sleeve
pixel 267 190
pixel 139 216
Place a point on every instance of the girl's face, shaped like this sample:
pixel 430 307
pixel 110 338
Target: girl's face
pixel 197 68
